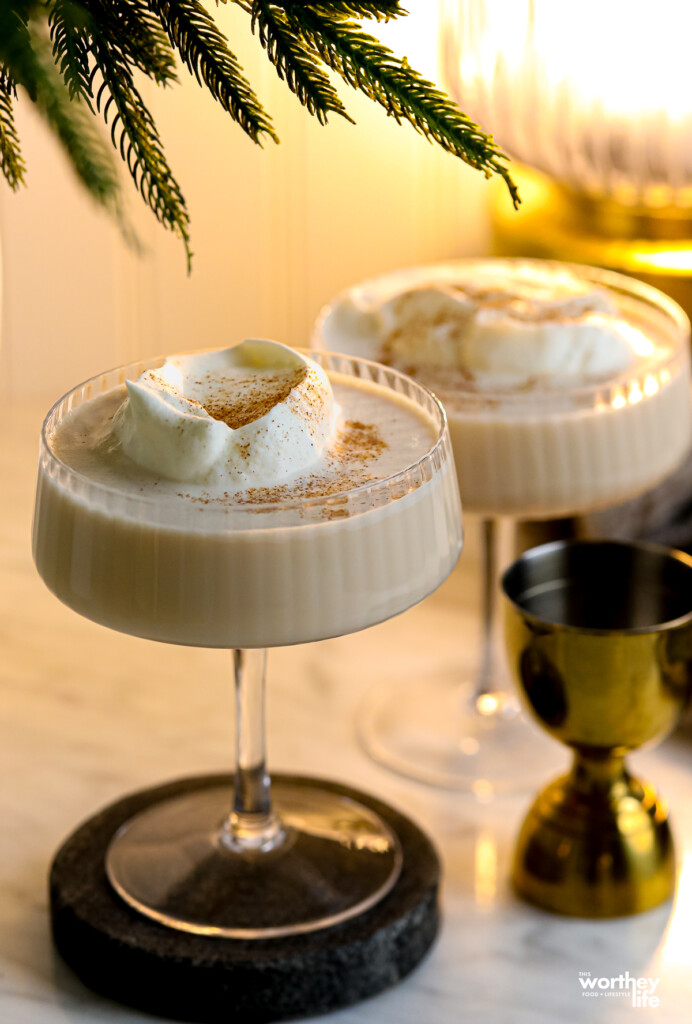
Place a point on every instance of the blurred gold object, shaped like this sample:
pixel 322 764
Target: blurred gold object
pixel 599 639
pixel 554 221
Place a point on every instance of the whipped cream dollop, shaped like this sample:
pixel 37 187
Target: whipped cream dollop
pixel 253 415
pixel 500 323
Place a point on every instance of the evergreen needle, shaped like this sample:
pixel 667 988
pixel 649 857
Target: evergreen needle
pixel 77 58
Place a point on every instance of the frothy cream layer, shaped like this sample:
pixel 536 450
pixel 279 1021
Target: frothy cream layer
pixel 370 441
pixel 562 394
pixel 497 327
pixel 370 529
pixel 252 415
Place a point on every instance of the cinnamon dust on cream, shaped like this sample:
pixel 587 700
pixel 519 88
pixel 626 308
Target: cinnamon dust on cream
pixel 355 445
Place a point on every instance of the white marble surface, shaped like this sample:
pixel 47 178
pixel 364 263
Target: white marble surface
pixel 88 714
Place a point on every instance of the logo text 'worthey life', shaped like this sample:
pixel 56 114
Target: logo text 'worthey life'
pixel 641 990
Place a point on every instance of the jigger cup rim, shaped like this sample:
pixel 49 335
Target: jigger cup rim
pixel 514 582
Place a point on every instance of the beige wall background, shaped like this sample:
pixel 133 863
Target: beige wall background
pixel 275 231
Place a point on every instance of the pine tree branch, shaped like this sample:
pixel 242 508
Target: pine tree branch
pixel 11 161
pixel 16 57
pixel 380 10
pixel 134 134
pixel 301 72
pixel 56 50
pixel 68 24
pixel 205 51
pixel 366 64
pixel 74 126
pixel 136 34
pixel 98 31
pixel 29 54
pixel 127 27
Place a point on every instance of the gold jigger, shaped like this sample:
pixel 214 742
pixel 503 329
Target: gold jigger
pixel 599 638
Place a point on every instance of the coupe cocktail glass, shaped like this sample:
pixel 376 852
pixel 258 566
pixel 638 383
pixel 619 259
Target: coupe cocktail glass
pixel 264 860
pixel 530 453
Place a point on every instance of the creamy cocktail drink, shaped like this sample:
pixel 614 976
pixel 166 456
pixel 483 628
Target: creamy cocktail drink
pixel 250 497
pixel 245 497
pixel 567 389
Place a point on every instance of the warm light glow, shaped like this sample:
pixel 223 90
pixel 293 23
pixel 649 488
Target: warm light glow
pixel 637 340
pixel 483 790
pixel 171 374
pixel 376 844
pixel 415 36
pixel 635 395
pixel 595 94
pixel 485 873
pixel 650 385
pixel 619 78
pixel 469 745
pixel 618 402
pixel 666 259
pixel 487 704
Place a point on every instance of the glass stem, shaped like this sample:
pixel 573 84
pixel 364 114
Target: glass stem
pixel 491 694
pixel 252 824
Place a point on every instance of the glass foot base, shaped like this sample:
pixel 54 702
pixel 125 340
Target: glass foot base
pixel 434 732
pixel 334 859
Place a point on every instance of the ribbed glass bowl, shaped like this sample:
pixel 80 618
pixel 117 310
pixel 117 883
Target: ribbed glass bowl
pixel 596 95
pixel 225 575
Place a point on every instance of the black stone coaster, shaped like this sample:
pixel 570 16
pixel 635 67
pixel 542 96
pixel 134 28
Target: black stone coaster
pixel 129 958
